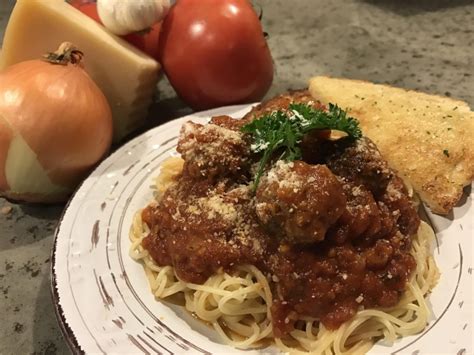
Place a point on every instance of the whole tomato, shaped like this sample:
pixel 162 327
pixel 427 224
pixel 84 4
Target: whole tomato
pixel 146 41
pixel 214 52
pixel 88 7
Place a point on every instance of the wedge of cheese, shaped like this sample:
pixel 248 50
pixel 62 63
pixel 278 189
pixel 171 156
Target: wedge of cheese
pixel 126 75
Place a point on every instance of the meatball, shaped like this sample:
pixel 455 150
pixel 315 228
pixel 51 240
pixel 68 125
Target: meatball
pixel 377 200
pixel 299 202
pixel 361 163
pixel 281 102
pixel 362 215
pixel 212 151
pixel 399 203
pixel 227 122
pixel 312 146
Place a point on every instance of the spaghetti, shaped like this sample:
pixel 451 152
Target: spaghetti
pixel 238 305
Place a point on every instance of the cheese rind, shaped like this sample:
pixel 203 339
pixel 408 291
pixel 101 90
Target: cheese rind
pixel 126 76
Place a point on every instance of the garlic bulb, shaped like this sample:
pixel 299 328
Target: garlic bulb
pixel 126 16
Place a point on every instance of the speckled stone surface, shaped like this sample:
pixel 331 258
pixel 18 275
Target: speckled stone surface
pixel 426 45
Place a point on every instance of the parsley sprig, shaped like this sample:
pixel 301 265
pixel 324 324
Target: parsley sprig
pixel 284 130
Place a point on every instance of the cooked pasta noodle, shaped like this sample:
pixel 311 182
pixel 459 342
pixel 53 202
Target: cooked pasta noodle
pixel 238 305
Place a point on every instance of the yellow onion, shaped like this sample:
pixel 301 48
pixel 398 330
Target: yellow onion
pixel 55 125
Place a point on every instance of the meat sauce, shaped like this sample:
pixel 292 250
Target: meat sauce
pixel 332 232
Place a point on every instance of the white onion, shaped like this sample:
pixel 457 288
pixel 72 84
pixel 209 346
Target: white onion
pixel 55 124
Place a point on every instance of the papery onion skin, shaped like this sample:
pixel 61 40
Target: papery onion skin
pixel 63 117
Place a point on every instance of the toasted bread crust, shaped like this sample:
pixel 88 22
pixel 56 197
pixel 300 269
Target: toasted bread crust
pixel 428 139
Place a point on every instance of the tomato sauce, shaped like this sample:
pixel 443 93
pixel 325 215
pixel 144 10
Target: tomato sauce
pixel 332 233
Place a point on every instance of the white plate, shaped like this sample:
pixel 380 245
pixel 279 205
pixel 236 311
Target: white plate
pixel 102 297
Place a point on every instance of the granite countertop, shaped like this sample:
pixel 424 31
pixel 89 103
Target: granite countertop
pixel 426 45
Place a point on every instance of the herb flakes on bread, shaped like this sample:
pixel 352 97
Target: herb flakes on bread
pixel 428 139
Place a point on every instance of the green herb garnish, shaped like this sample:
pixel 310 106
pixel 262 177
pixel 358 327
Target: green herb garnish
pixel 446 152
pixel 284 130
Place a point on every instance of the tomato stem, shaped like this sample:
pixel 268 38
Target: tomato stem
pixel 260 17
